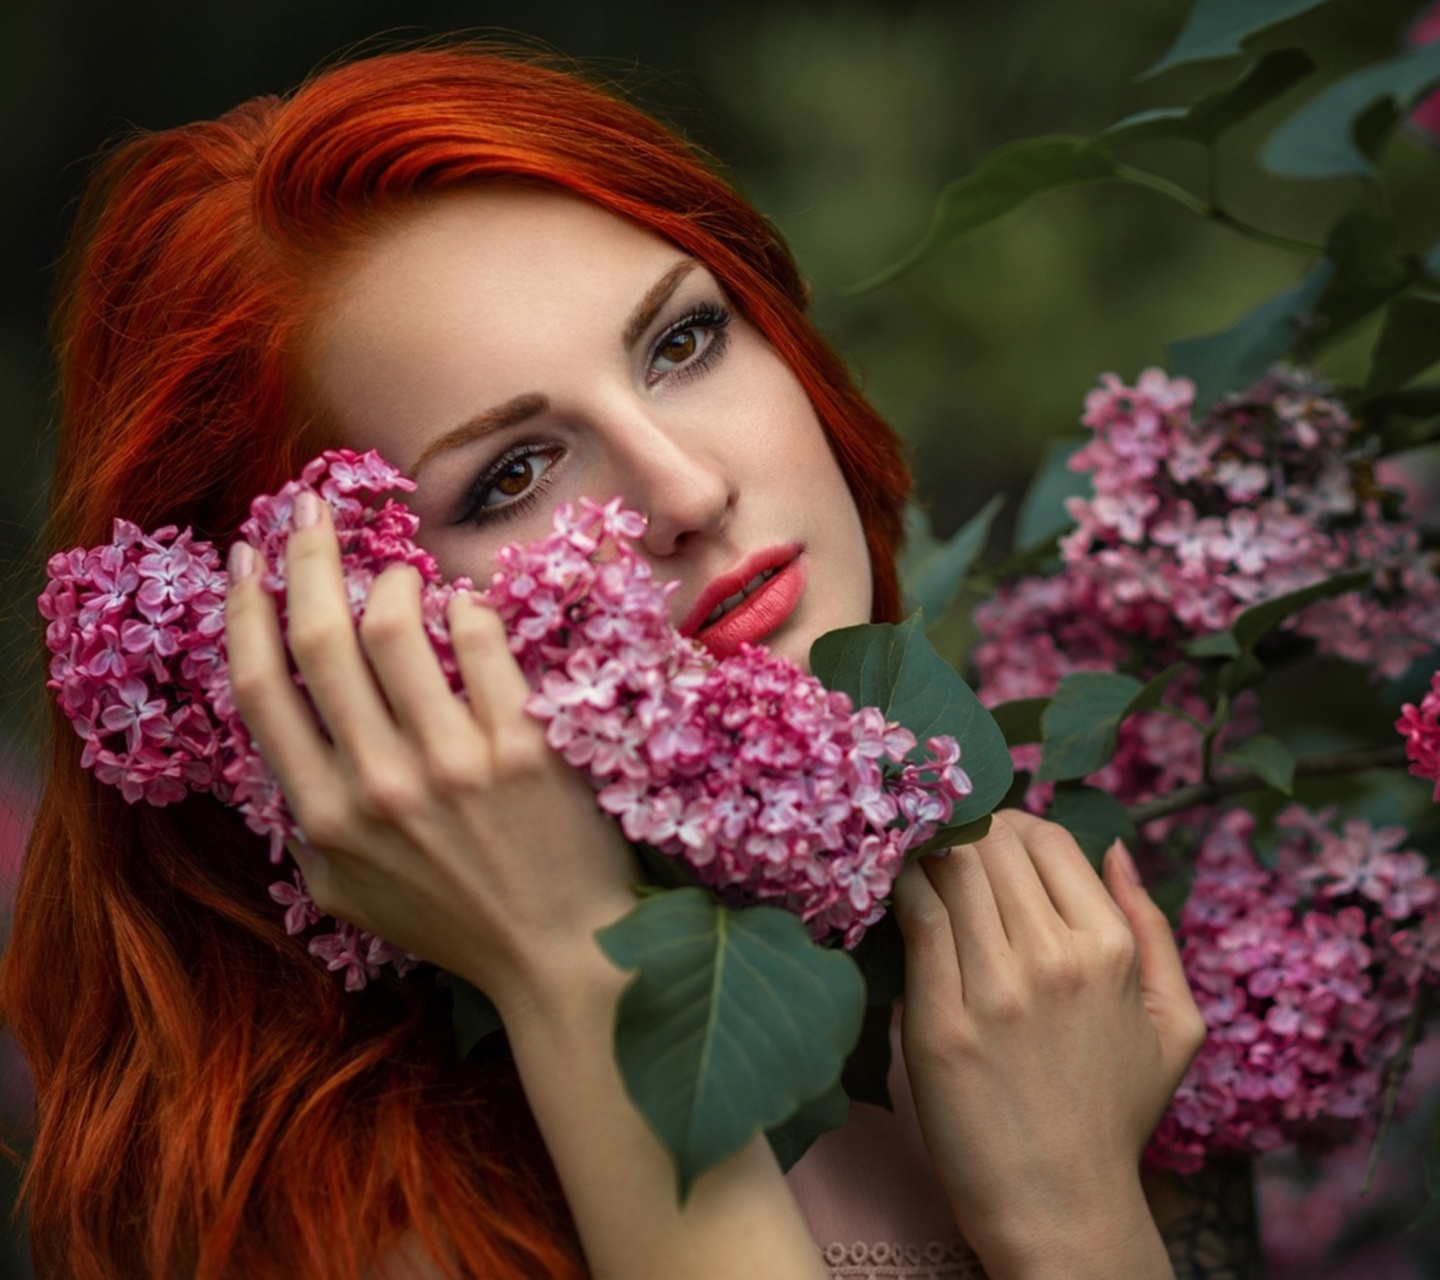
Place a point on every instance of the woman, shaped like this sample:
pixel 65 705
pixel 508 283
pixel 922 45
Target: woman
pixel 519 290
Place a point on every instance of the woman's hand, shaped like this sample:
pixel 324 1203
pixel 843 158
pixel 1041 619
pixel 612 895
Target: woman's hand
pixel 1047 1022
pixel 451 830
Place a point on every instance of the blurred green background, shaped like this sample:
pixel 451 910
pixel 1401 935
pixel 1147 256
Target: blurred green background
pixel 842 121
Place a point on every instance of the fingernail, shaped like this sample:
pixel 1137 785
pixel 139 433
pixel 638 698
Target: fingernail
pixel 307 510
pixel 1126 863
pixel 937 854
pixel 242 561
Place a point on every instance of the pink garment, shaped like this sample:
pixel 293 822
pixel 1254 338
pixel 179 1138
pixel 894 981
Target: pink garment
pixel 872 1200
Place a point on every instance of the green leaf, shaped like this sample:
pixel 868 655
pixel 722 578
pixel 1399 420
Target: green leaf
pixel 792 1138
pixel 1368 272
pixel 1321 140
pixel 1217 109
pixel 897 669
pixel 1042 512
pixel 1095 818
pixel 1268 759
pixel 880 956
pixel 1080 725
pixel 1260 619
pixel 949 837
pixel 1234 358
pixel 867 1069
pixel 1218 644
pixel 1409 343
pixel 1220 28
pixel 733 1022
pixel 1403 420
pixel 1004 180
pixel 472 1016
pixel 931 583
pixel 1019 720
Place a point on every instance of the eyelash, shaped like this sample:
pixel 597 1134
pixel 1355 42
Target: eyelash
pixel 707 316
pixel 476 512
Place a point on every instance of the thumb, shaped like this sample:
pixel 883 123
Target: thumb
pixel 1162 976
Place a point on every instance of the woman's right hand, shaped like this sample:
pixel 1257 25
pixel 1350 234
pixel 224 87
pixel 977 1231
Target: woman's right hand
pixel 451 830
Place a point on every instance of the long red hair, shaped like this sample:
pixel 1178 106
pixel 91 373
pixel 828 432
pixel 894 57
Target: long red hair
pixel 211 1103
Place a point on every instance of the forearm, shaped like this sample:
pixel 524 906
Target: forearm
pixel 740 1219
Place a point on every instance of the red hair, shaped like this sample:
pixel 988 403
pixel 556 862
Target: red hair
pixel 210 1102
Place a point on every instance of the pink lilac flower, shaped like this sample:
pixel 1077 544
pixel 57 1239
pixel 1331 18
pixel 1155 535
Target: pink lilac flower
pixel 1306 976
pixel 1190 524
pixel 765 785
pixel 1426 30
pixel 1420 727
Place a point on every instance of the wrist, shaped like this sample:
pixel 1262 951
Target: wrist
pixel 1094 1233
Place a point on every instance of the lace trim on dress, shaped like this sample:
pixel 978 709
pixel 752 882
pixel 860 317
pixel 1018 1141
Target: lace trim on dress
pixel 934 1261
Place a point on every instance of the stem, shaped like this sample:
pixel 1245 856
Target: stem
pixel 1394 1077
pixel 1212 732
pixel 1166 709
pixel 1317 766
pixel 1273 238
pixel 1213 212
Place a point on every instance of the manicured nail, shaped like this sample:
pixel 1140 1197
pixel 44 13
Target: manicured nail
pixel 937 854
pixel 1126 863
pixel 242 561
pixel 307 510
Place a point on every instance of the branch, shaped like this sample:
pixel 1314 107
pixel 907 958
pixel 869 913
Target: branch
pixel 1317 766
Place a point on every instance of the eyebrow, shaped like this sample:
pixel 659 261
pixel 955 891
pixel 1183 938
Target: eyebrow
pixel 482 424
pixel 530 404
pixel 656 297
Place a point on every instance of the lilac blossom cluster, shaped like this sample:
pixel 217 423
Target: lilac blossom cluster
pixel 1192 522
pixel 1419 725
pixel 1189 524
pixel 765 785
pixel 136 634
pixel 1306 976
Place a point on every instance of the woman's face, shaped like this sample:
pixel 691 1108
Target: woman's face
pixel 512 349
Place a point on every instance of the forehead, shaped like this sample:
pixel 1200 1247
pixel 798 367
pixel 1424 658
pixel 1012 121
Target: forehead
pixel 453 299
pixel 517 245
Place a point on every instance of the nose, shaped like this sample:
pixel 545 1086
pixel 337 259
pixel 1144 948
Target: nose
pixel 673 472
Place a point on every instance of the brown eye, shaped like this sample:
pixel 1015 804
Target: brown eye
pixel 680 347
pixel 517 476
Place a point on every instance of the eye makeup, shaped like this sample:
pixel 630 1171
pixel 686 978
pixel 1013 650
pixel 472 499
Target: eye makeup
pixel 476 505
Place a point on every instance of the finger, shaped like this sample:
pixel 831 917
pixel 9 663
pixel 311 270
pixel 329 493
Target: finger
pixel 318 875
pixel 1069 879
pixel 492 679
pixel 1026 912
pixel 1162 974
pixel 273 709
pixel 932 973
pixel 322 637
pixel 960 880
pixel 393 636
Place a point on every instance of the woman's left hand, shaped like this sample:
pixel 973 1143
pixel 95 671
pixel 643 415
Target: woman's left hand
pixel 1047 1022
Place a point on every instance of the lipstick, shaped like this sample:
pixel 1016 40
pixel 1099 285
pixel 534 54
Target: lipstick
pixel 748 603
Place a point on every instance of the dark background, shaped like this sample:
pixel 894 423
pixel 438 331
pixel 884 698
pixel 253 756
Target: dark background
pixel 842 121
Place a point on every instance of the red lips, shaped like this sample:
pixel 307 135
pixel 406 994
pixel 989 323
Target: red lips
pixel 763 610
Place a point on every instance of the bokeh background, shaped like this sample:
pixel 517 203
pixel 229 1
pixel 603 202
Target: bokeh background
pixel 842 121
